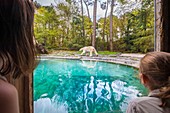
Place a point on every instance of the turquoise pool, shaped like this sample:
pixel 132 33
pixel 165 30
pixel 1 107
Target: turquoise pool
pixel 76 86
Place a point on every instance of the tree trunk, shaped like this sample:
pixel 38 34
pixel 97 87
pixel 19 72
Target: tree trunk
pixel 94 24
pixel 111 26
pixel 104 24
pixel 88 13
pixel 83 34
pixel 107 42
pixel 87 9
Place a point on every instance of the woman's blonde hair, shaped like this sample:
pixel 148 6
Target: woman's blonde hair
pixel 17 50
pixel 156 67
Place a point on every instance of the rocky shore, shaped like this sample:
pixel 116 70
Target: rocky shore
pixel 124 59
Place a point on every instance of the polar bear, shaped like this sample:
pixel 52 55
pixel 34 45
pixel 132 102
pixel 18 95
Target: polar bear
pixel 88 49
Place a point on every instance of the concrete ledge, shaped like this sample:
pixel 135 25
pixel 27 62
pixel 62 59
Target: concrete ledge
pixel 124 59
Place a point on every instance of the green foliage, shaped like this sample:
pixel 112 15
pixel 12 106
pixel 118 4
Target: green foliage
pixel 46 23
pixel 144 44
pixel 107 53
pixel 74 46
pixel 139 33
pixel 60 27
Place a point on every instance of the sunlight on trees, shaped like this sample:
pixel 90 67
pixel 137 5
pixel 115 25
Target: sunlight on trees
pixel 65 26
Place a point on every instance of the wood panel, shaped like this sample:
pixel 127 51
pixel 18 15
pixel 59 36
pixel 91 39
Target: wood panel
pixel 24 87
pixel 162 22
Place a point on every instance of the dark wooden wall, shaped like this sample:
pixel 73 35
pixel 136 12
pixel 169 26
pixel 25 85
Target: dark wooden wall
pixel 162 39
pixel 165 40
pixel 25 91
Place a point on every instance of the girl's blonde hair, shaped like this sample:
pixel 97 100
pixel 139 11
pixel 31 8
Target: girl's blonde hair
pixel 156 67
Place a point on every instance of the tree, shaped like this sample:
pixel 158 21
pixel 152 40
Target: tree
pixel 104 24
pixel 111 26
pixel 94 24
pixel 46 23
pixel 87 3
pixel 60 26
pixel 83 34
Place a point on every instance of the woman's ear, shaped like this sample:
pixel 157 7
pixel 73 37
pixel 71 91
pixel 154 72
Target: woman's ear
pixel 144 79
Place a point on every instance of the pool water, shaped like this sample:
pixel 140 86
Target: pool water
pixel 77 86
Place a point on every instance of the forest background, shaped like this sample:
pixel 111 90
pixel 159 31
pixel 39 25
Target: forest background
pixel 127 25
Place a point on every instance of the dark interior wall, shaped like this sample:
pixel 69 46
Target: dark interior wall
pixel 165 39
pixel 25 94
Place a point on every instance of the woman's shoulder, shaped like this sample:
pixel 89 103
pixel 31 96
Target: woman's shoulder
pixel 146 99
pixel 145 105
pixel 8 98
pixel 144 102
pixel 7 91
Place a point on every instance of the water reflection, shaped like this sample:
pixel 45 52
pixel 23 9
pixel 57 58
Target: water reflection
pixel 72 92
pixel 46 105
pixel 88 64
